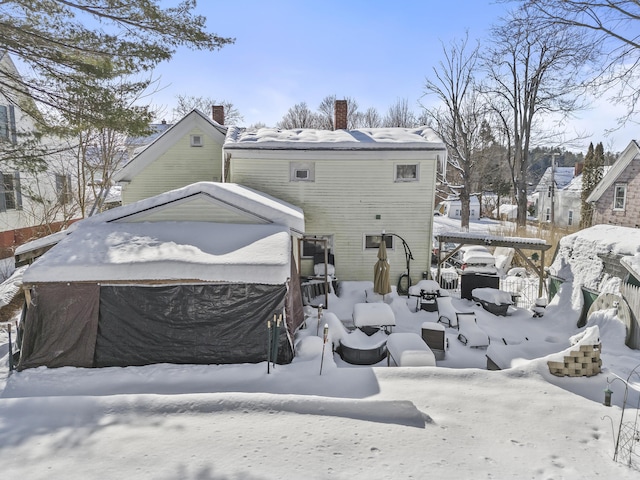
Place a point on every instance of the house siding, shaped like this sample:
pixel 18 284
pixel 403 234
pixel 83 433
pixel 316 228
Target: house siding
pixel 630 216
pixel 179 166
pixel 348 193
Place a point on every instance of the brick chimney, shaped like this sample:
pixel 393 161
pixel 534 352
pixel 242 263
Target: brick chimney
pixel 341 115
pixel 217 112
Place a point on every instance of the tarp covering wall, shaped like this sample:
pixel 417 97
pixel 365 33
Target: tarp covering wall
pixel 226 323
pixel 60 326
pixel 88 325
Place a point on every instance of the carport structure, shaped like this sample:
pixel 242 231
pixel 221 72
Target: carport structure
pixel 517 243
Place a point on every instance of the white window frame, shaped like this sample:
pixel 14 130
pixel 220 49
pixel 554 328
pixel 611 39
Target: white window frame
pixel 295 167
pixel 369 241
pixel 400 179
pixel 197 140
pixel 548 215
pixel 570 219
pixel 622 186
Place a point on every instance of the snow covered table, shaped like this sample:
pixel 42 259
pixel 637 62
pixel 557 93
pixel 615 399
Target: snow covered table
pixel 367 316
pixel 409 350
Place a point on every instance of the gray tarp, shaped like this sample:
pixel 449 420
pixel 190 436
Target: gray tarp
pixel 226 323
pixel 90 325
pixel 60 326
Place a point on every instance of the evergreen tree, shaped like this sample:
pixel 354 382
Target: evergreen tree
pixel 590 179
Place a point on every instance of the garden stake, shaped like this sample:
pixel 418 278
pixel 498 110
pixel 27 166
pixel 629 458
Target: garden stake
pixel 324 342
pixel 269 346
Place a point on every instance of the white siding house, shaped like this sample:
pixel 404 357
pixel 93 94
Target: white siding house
pixel 188 152
pixel 352 185
pixel 32 203
pixel 557 197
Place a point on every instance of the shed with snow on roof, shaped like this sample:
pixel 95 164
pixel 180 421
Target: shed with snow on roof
pixel 190 276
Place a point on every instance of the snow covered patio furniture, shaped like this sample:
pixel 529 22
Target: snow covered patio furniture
pixel 447 314
pixel 493 300
pixel 426 292
pixel 358 348
pixel 433 336
pixel 470 333
pixel 371 317
pixel 409 350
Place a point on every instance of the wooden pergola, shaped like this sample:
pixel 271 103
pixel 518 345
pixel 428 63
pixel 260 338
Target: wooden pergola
pixel 517 243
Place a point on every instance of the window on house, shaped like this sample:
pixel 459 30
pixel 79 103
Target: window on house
pixel 10 194
pixel 548 215
pixel 8 124
pixel 620 197
pixel 302 172
pixel 314 245
pixel 63 188
pixel 550 191
pixel 197 141
pixel 373 241
pixel 570 219
pixel 457 212
pixel 406 172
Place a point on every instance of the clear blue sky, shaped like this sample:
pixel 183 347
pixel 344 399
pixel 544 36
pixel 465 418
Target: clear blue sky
pixel 287 52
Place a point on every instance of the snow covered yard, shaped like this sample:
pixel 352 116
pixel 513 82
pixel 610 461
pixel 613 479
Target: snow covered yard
pixel 455 420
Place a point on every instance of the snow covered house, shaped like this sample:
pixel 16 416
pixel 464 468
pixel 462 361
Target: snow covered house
pixel 31 203
pixel 558 196
pixel 353 185
pixel 187 152
pixel 452 208
pixel 189 276
pixel 616 199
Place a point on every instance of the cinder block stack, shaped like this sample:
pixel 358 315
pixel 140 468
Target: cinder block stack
pixel 584 362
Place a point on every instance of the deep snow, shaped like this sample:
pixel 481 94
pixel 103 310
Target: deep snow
pixel 456 420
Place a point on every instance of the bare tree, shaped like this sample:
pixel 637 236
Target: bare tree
pixel 370 118
pixel 399 115
pixel 614 27
pixel 458 119
pixel 532 71
pixel 186 103
pixel 299 116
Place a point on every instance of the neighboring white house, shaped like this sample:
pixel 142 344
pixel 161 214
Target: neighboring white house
pixel 452 208
pixel 187 152
pixel 557 196
pixel 31 203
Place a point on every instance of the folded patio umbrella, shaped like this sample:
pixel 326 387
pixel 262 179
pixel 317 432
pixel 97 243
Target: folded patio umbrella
pixel 381 282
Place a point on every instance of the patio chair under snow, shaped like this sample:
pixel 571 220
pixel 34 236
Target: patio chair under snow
pixel 446 312
pixel 470 333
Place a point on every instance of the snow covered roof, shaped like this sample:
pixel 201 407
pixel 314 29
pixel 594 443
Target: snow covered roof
pixel 493 240
pixel 148 154
pixel 630 153
pixel 562 177
pixel 422 138
pixel 250 203
pixel 167 251
pixel 239 204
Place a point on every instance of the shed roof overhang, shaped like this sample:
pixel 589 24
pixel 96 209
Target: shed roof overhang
pixel 517 243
